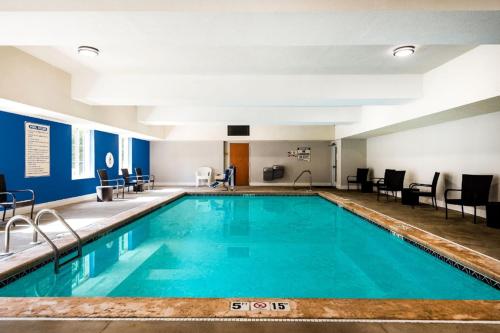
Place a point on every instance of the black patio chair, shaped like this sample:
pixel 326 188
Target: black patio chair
pixel 9 199
pixel 116 183
pixel 360 178
pixel 430 194
pixel 475 192
pixel 129 180
pixel 144 179
pixel 381 181
pixel 393 182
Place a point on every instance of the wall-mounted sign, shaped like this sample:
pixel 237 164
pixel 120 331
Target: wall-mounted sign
pixel 302 154
pixel 37 150
pixel 110 160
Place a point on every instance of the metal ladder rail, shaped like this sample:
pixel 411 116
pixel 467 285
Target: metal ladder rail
pixel 310 178
pixel 36 228
pixel 53 212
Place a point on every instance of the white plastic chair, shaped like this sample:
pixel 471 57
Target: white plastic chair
pixel 203 173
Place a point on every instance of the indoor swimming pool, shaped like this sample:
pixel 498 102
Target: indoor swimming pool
pixel 205 246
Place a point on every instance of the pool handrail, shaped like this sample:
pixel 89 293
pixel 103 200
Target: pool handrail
pixel 37 230
pixel 65 224
pixel 35 227
pixel 310 178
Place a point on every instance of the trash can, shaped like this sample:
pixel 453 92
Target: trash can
pixel 493 214
pixel 367 187
pixel 104 193
pixel 409 196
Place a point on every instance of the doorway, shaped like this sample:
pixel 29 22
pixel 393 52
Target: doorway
pixel 239 157
pixel 333 164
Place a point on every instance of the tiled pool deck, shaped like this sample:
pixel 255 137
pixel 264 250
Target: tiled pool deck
pixel 118 213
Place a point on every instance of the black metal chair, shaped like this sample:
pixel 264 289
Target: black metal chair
pixel 129 180
pixel 432 193
pixel 360 178
pixel 475 192
pixel 9 200
pixel 117 184
pixel 144 179
pixel 393 182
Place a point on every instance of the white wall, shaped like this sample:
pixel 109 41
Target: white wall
pixel 470 145
pixel 266 153
pixel 175 163
pixel 469 78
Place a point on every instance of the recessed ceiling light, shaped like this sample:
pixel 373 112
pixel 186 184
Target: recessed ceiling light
pixel 88 51
pixel 404 51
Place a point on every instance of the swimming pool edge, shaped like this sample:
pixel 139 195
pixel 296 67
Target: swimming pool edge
pixel 301 309
pixel 474 263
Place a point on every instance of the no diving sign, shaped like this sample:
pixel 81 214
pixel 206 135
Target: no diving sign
pixel 259 306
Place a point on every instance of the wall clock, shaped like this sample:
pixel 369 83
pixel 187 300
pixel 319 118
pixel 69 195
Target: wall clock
pixel 110 160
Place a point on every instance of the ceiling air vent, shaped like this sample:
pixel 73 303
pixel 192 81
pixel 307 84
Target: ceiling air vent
pixel 238 130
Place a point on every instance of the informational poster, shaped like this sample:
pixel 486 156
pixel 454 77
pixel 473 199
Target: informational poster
pixel 37 150
pixel 302 154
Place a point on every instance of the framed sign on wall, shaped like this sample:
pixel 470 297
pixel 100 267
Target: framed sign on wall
pixel 110 160
pixel 302 154
pixel 37 150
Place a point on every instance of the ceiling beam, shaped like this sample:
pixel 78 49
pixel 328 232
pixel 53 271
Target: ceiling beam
pixel 245 116
pixel 246 90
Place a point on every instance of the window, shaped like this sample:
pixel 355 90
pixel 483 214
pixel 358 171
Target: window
pixel 125 151
pixel 82 153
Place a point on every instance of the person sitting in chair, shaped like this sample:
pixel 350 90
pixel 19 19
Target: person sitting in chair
pixel 228 178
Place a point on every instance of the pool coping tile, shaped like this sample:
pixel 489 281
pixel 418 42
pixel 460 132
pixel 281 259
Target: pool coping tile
pixel 305 308
pixel 478 262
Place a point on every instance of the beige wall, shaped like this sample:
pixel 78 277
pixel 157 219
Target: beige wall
pixel 470 145
pixel 257 132
pixel 266 153
pixel 175 162
pixel 27 80
pixel 351 154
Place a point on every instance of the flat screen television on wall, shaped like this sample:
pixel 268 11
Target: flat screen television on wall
pixel 238 130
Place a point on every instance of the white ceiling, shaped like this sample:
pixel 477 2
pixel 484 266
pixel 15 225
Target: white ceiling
pixel 246 5
pixel 250 60
pixel 156 53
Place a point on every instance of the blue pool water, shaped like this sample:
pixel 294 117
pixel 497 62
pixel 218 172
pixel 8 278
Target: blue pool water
pixel 260 246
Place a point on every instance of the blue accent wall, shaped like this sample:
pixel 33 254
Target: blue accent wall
pixel 140 155
pixel 59 184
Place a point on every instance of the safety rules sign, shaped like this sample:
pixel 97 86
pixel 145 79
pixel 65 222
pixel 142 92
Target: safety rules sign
pixel 37 150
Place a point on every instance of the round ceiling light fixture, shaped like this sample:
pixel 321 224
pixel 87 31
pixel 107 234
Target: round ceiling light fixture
pixel 88 51
pixel 403 51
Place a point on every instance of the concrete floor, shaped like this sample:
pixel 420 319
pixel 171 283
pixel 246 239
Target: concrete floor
pixel 121 326
pixel 80 215
pixel 460 230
